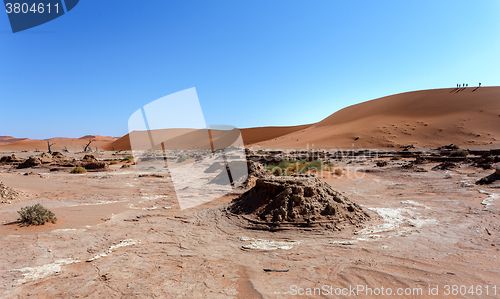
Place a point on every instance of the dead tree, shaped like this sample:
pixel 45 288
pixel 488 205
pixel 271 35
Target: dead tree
pixel 87 146
pixel 49 145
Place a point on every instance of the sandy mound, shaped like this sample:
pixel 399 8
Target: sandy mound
pixel 8 194
pixel 277 202
pixel 91 162
pixel 10 159
pixel 30 162
pixel 447 165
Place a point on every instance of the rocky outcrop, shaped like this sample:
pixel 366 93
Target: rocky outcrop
pixel 8 194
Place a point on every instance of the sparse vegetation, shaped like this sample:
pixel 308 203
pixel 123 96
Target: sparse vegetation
pixel 459 153
pixel 316 165
pixel 284 164
pixel 125 165
pixel 127 158
pixel 288 167
pixel 35 215
pixel 78 169
pixel 113 162
pixel 269 167
pixel 338 171
pixel 396 157
pixel 183 158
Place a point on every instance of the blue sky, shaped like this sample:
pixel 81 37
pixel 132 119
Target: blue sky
pixel 253 63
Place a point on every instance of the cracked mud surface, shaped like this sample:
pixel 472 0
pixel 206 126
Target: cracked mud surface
pixel 121 236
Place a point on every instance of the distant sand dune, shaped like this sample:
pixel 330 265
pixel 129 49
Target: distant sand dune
pixel 72 144
pixel 427 118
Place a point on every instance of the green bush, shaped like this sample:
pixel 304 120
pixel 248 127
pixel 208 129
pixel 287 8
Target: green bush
pixel 78 169
pixel 183 158
pixel 127 158
pixel 270 167
pixel 459 153
pixel 284 164
pixel 316 164
pixel 35 215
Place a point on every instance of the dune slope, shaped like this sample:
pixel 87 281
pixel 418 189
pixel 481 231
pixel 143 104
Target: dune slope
pixel 425 118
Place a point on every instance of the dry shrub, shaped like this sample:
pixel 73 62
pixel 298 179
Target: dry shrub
pixel 79 169
pixel 36 215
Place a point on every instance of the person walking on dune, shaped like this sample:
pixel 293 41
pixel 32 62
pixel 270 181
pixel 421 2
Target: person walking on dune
pixel 479 84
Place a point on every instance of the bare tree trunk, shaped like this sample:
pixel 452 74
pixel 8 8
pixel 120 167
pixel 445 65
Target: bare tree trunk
pixel 49 146
pixel 87 146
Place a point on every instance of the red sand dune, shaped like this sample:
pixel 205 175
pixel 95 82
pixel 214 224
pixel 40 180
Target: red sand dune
pixel 9 139
pixel 60 143
pixel 189 138
pixel 429 118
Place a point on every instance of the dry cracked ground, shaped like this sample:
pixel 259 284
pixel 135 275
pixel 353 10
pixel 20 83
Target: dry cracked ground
pixel 119 235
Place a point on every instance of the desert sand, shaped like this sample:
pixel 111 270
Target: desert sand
pixel 427 118
pixel 430 228
pixel 468 117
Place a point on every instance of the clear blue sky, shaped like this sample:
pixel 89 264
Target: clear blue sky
pixel 253 63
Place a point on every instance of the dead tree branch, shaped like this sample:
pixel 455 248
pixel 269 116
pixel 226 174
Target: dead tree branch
pixel 87 146
pixel 49 145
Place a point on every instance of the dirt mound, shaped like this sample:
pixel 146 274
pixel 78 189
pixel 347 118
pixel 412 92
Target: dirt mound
pixel 492 178
pixel 277 202
pixel 255 171
pixel 8 194
pixel 45 158
pixel 57 155
pixel 445 166
pixel 90 162
pixel 10 159
pixel 484 163
pixel 96 165
pixel 412 167
pixel 89 158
